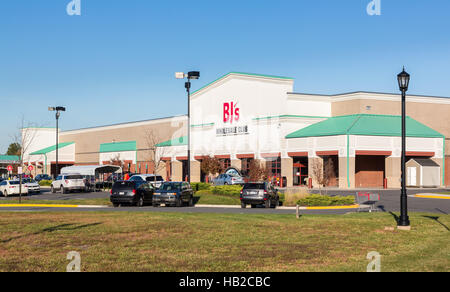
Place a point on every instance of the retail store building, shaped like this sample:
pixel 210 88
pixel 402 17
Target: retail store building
pixel 240 117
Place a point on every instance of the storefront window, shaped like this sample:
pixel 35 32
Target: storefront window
pixel 226 163
pixel 245 166
pixel 274 167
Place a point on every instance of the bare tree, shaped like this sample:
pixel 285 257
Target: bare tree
pixel 317 173
pixel 323 173
pixel 116 161
pixel 155 153
pixel 258 171
pixel 24 138
pixel 211 166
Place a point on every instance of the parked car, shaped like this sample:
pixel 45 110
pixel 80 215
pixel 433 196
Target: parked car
pixel 155 180
pixel 12 187
pixel 32 185
pixel 40 177
pixel 259 193
pixel 174 194
pixel 68 182
pixel 229 179
pixel 137 193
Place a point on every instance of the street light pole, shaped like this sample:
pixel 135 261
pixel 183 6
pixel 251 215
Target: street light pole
pixel 188 89
pixel 191 75
pixel 58 110
pixel 403 80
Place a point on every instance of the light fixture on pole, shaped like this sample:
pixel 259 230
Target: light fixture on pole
pixel 403 83
pixel 193 75
pixel 58 111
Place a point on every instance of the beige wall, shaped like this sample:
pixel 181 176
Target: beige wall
pixel 393 172
pixel 177 171
pixel 287 168
pixel 343 182
pixel 88 141
pixel 195 171
pixel 434 115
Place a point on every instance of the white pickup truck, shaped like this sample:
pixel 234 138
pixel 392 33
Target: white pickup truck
pixel 68 182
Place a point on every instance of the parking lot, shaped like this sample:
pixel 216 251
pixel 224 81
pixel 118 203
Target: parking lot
pixel 390 202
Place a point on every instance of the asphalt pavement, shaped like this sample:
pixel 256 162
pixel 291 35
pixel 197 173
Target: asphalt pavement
pixel 390 202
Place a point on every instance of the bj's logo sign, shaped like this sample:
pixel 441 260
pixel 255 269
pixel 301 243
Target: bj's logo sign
pixel 230 112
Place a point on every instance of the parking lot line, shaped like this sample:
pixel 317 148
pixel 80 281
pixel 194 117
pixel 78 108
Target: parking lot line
pixel 426 196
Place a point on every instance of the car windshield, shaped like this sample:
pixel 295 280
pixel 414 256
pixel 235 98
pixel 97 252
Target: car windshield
pixel 14 183
pixel 120 185
pixel 154 178
pixel 254 186
pixel 27 180
pixel 170 187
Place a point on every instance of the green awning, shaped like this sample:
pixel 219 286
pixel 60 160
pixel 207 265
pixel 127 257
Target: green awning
pixel 366 125
pixel 182 141
pixel 9 158
pixel 118 147
pixel 52 148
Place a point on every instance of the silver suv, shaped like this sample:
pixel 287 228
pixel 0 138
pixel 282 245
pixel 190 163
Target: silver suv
pixel 68 182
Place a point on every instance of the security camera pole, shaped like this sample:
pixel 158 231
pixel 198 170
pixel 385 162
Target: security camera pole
pixel 193 75
pixel 58 111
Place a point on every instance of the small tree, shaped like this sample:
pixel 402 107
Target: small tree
pixel 14 149
pixel 323 173
pixel 155 153
pixel 257 171
pixel 116 161
pixel 211 166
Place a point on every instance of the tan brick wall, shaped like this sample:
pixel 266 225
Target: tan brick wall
pixel 177 171
pixel 88 141
pixel 393 172
pixel 195 171
pixel 287 168
pixel 435 116
pixel 343 182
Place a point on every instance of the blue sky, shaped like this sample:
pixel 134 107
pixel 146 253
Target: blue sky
pixel 116 62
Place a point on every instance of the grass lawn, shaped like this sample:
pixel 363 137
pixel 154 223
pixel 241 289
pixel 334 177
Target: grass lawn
pixel 205 198
pixel 121 241
pixel 88 202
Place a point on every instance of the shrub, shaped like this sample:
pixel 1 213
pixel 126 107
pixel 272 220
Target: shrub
pixel 316 200
pixel 291 199
pixel 232 191
pixel 45 183
pixel 200 186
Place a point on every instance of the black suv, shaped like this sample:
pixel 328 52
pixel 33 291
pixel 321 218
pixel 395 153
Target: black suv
pixel 174 194
pixel 131 192
pixel 260 193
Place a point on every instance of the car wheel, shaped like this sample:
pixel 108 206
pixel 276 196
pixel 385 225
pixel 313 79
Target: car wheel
pixel 191 202
pixel 274 206
pixel 116 205
pixel 53 190
pixel 179 203
pixel 156 205
pixel 243 206
pixel 140 203
pixel 253 206
pixel 267 204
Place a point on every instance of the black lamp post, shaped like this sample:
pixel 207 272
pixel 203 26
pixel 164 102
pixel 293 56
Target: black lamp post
pixel 403 82
pixel 58 111
pixel 193 75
